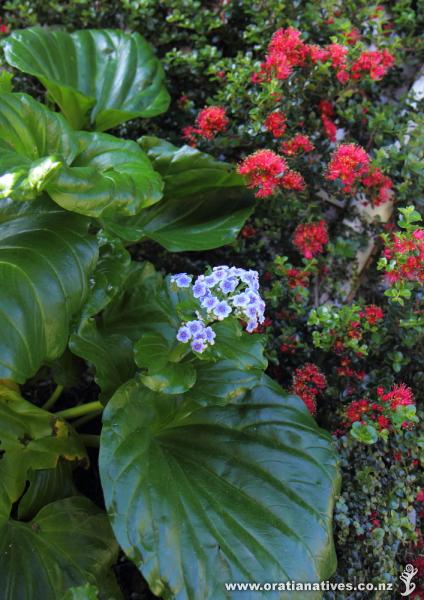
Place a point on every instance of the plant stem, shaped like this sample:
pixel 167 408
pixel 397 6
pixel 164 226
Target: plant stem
pixel 79 411
pixel 86 418
pixel 52 400
pixel 92 441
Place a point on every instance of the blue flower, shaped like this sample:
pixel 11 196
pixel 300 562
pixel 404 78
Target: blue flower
pixel 251 326
pixel 183 334
pixel 210 335
pixel 241 300
pixel 182 280
pixel 228 285
pixel 198 345
pixel 209 302
pixel 222 310
pixel 199 289
pixel 211 280
pixel 195 327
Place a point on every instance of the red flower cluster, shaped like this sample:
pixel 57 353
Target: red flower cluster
pixel 286 50
pixel 299 143
pixel 292 180
pixel 352 166
pixel 327 114
pixel 276 123
pixel 379 186
pixel 348 163
pixel 375 62
pixel 308 382
pixel 372 314
pixel 209 122
pixel 345 370
pixel 297 278
pixel 263 170
pixel 310 238
pixel 356 410
pixel 379 413
pixel 399 395
pixel 406 255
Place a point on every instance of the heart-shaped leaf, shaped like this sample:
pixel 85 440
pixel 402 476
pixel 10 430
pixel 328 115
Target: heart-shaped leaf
pixel 205 202
pixel 98 78
pixel 46 257
pixel 236 493
pixel 68 543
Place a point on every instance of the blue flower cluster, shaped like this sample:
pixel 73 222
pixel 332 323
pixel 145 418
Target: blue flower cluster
pixel 223 292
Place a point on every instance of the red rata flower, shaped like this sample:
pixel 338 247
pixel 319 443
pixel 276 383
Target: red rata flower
pixel 317 54
pixel 355 410
pixel 372 314
pixel 337 54
pixel 308 382
pixel 420 496
pixel 326 108
pixel 300 143
pixel 380 186
pixel 211 121
pixel 297 278
pixel 374 62
pixel 348 163
pixel 310 238
pixel 276 123
pixel 399 395
pixel 189 135
pixel 263 170
pixel 352 36
pixel 292 180
pixel 285 51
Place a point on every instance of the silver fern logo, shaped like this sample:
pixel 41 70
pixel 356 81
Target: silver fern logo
pixel 407 576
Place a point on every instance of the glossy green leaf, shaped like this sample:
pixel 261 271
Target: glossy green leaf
pixel 45 486
pixel 112 355
pixel 31 439
pixel 98 78
pixel 246 350
pixel 173 378
pixel 68 543
pixel 108 176
pixel 46 257
pixel 34 143
pixel 94 174
pixel 205 202
pixel 221 382
pixel 237 493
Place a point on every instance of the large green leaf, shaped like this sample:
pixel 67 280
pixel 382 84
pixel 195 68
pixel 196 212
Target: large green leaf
pixel 205 202
pixel 237 493
pixel 98 78
pixel 68 543
pixel 94 174
pixel 34 143
pixel 31 439
pixel 109 176
pixel 46 257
